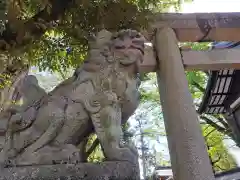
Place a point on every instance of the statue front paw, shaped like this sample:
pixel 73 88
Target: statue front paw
pixel 6 162
pixel 7 158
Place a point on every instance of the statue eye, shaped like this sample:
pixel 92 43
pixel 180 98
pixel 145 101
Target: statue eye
pixel 138 36
pixel 119 47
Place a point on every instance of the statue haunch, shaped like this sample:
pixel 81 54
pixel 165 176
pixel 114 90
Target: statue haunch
pixel 99 97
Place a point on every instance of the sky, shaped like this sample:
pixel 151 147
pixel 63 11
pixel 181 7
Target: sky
pixel 212 6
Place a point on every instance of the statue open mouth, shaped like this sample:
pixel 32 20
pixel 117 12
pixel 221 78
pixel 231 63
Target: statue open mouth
pixel 134 47
pixel 140 48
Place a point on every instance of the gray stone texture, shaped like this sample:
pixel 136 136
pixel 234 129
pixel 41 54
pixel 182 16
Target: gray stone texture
pixel 87 171
pixel 98 98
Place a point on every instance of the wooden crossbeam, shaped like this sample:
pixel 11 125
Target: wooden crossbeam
pixel 217 59
pixel 212 60
pixel 193 27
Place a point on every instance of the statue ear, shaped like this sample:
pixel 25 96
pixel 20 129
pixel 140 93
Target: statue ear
pixel 102 38
pixel 30 79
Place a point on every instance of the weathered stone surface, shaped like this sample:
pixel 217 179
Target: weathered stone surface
pixel 99 97
pixel 87 171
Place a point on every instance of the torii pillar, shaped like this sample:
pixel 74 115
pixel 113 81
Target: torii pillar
pixel 189 157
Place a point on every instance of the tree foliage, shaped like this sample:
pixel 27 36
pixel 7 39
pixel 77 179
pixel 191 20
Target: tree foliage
pixel 54 34
pixel 220 157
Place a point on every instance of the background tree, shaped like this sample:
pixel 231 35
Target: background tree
pixel 221 159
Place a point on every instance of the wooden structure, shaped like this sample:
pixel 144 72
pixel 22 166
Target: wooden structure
pixel 188 152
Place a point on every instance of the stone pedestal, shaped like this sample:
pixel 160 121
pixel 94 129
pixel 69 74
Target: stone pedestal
pixel 86 171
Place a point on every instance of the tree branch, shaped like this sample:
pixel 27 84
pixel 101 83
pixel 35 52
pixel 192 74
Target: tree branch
pixel 209 133
pixel 224 123
pixel 213 124
pixel 219 167
pixel 35 27
pixel 93 147
pixel 198 86
pixel 218 159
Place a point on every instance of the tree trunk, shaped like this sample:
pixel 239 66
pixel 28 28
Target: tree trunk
pixel 19 37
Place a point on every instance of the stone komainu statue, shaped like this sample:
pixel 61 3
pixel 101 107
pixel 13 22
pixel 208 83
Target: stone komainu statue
pixel 99 97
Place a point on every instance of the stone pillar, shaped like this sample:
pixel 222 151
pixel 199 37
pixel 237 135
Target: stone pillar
pixel 187 148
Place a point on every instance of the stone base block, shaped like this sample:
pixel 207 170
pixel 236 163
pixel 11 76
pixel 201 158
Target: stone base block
pixel 86 171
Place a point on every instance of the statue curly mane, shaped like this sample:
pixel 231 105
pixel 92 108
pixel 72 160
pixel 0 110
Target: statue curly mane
pixel 110 55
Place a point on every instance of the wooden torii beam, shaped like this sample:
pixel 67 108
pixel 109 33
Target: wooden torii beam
pixel 217 59
pixel 193 27
pixel 188 151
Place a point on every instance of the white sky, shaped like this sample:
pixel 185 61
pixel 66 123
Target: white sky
pixel 212 6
